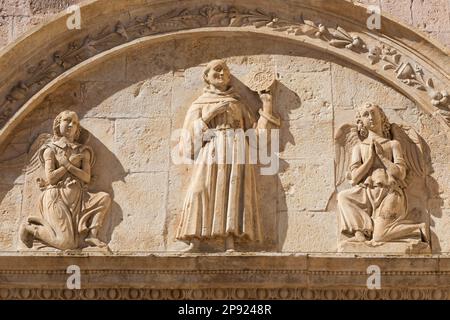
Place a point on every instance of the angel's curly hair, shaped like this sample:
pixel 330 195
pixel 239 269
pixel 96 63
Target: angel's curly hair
pixel 362 131
pixel 57 122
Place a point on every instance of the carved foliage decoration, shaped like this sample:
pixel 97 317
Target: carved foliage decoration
pixel 212 16
pixel 209 16
pixel 413 76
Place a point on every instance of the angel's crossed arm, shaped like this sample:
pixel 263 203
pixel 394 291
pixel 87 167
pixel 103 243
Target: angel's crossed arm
pixel 358 168
pixel 52 174
pixel 397 167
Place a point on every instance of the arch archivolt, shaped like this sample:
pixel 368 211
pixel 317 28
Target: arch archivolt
pixel 397 55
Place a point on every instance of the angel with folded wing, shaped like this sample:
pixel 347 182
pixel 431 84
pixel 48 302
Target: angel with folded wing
pixel 380 160
pixel 67 214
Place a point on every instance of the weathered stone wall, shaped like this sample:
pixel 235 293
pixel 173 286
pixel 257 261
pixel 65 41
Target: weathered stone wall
pixel 131 74
pixel 430 16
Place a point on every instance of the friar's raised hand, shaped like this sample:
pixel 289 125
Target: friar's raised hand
pixel 267 101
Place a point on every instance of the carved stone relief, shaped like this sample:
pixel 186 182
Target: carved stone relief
pixel 382 160
pixel 144 153
pixel 361 120
pixel 67 215
pixel 222 200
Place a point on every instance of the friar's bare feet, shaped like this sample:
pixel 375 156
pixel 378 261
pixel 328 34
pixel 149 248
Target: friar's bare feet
pixel 359 237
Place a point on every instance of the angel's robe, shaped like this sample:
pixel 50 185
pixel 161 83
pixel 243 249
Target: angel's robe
pixel 66 209
pixel 221 199
pixel 377 206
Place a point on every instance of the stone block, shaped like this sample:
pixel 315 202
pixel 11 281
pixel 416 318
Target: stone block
pixel 113 70
pixel 141 203
pixel 15 7
pixel 10 207
pixel 23 24
pixel 440 243
pixel 431 15
pixel 306 185
pixel 144 64
pixel 148 98
pixel 442 36
pixel 302 139
pixel 48 7
pixel 5 30
pixel 320 228
pixel 304 96
pixel 351 88
pixel 143 145
pixel 399 9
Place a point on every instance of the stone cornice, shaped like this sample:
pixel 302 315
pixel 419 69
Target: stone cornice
pixel 246 276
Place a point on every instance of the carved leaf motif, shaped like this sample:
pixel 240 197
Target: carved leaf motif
pixel 341 34
pixel 259 24
pixel 397 58
pixel 120 29
pixel 281 29
pixel 422 88
pixel 237 21
pixel 211 15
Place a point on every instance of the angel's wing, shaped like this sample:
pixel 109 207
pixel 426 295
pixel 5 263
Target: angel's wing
pixel 345 139
pixel 34 161
pixel 414 150
pixel 34 177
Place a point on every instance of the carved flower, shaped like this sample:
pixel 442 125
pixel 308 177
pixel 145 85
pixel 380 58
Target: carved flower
pixel 439 98
pixel 57 58
pixel 321 29
pixel 8 111
pixel 342 39
pixel 150 23
pixel 273 22
pixel 73 46
pixel 389 51
pixel 18 92
pixel 374 54
pixel 356 43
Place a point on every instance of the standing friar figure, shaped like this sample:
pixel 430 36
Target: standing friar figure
pixel 67 214
pixel 381 159
pixel 221 200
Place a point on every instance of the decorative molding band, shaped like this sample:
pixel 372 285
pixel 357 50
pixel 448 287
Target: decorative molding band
pixel 225 272
pixel 263 276
pixel 237 293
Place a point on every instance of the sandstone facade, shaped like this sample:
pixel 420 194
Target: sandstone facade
pixel 131 76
